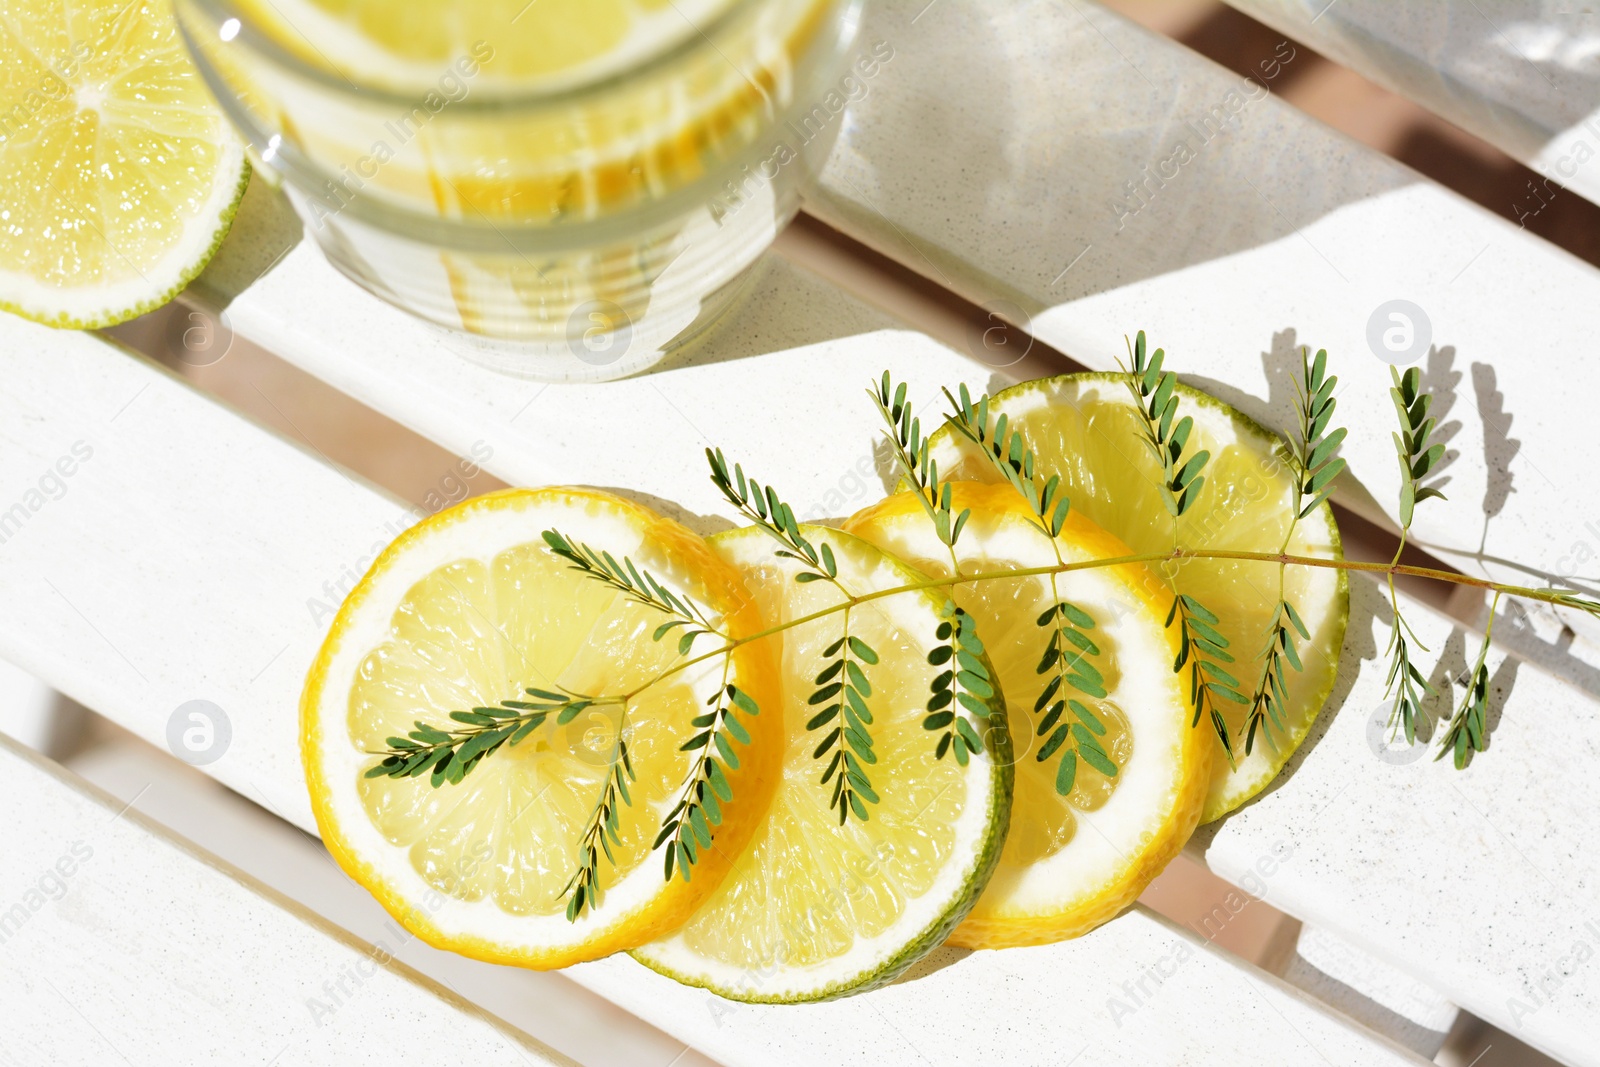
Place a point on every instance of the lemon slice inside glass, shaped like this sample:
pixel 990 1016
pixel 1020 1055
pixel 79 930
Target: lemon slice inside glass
pixel 1073 860
pixel 1085 428
pixel 815 909
pixel 542 45
pixel 121 176
pixel 471 608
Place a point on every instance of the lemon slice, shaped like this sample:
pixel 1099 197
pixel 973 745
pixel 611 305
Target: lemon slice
pixel 121 176
pixel 1085 428
pixel 470 608
pixel 540 45
pixel 815 909
pixel 1071 861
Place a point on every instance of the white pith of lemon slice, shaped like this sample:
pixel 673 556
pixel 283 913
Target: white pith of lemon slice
pixel 121 175
pixel 469 608
pixel 1086 428
pixel 1070 862
pixel 813 909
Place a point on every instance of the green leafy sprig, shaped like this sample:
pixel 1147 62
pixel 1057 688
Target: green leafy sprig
pixel 447 754
pixel 1314 453
pixel 1316 466
pixel 601 832
pixel 1201 646
pixel 843 684
pixel 1203 649
pixel 1468 730
pixel 1405 681
pixel 1272 692
pixel 638 585
pixel 1154 393
pixel 687 830
pixel 762 506
pixel 1010 456
pixel 958 704
pixel 958 709
pixel 903 431
pixel 1417 455
pixel 450 755
pixel 1067 660
pixel 843 687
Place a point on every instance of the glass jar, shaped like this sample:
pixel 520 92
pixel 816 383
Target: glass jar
pixel 579 223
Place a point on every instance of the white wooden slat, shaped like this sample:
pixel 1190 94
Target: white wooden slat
pixel 1479 883
pixel 1522 74
pixel 111 624
pixel 1333 970
pixel 28 711
pixel 1110 997
pixel 1270 232
pixel 139 634
pixel 646 435
pixel 142 611
pixel 120 945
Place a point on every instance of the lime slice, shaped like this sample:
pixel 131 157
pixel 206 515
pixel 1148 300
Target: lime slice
pixel 815 909
pixel 1072 860
pixel 122 176
pixel 1086 428
pixel 471 608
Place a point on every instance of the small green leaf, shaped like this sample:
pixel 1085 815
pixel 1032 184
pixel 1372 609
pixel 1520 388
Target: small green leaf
pixel 823 717
pixel 858 678
pixel 1099 761
pixel 718 781
pixel 1067 773
pixel 826 693
pixel 863 651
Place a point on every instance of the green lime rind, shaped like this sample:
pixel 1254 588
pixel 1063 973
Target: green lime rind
pixel 64 320
pixel 1229 790
pixel 972 881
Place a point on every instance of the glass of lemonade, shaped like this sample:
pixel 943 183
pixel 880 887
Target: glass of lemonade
pixel 576 185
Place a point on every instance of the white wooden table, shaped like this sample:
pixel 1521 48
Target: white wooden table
pixel 990 153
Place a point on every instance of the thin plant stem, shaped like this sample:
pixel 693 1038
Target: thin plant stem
pixel 1390 569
